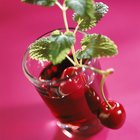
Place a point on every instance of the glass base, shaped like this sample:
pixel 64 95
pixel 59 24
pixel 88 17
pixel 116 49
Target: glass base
pixel 85 130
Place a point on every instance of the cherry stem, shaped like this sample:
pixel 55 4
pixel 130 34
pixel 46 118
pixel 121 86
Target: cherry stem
pixel 102 90
pixel 99 71
pixel 104 74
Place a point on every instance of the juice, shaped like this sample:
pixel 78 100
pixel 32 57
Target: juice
pixel 71 108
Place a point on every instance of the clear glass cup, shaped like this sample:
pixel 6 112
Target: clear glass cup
pixel 71 109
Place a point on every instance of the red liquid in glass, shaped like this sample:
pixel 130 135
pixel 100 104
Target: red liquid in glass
pixel 72 109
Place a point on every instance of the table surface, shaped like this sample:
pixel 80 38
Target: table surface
pixel 23 115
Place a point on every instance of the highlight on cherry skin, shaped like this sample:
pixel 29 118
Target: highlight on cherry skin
pixel 113 117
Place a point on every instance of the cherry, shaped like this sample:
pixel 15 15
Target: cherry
pixel 74 81
pixel 113 117
pixel 93 100
pixel 70 71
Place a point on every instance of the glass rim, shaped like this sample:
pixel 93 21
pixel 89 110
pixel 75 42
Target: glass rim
pixel 36 80
pixel 30 76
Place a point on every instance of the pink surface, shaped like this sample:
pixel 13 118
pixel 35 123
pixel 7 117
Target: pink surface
pixel 23 115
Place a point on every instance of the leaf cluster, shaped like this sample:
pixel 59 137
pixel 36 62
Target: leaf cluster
pixel 87 14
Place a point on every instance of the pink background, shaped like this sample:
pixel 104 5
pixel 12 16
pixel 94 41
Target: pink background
pixel 23 115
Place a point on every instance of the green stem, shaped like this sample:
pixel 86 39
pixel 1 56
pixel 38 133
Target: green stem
pixel 102 91
pixel 70 60
pixel 74 56
pixel 99 71
pixel 77 27
pixel 81 61
pixel 64 9
pixel 65 17
pixel 73 49
pixel 59 5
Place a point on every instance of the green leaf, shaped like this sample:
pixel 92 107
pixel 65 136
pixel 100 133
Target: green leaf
pixel 41 2
pixel 101 10
pixel 39 50
pixel 96 46
pixel 54 48
pixel 81 7
pixel 87 22
pixel 60 46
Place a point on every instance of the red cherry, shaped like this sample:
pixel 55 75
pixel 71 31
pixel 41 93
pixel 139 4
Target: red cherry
pixel 74 82
pixel 70 71
pixel 93 100
pixel 113 117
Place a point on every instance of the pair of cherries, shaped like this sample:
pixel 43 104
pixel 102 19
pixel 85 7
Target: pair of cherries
pixel 112 117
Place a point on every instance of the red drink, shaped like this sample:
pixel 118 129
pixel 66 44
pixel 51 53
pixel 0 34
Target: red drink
pixel 71 108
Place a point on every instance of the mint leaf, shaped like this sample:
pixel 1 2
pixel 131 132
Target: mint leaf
pixel 77 5
pixel 90 8
pixel 101 9
pixel 39 50
pixel 41 2
pixel 53 48
pixel 96 46
pixel 87 22
pixel 60 46
pixel 81 7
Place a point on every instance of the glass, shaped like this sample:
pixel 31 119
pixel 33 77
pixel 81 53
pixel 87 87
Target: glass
pixel 72 109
